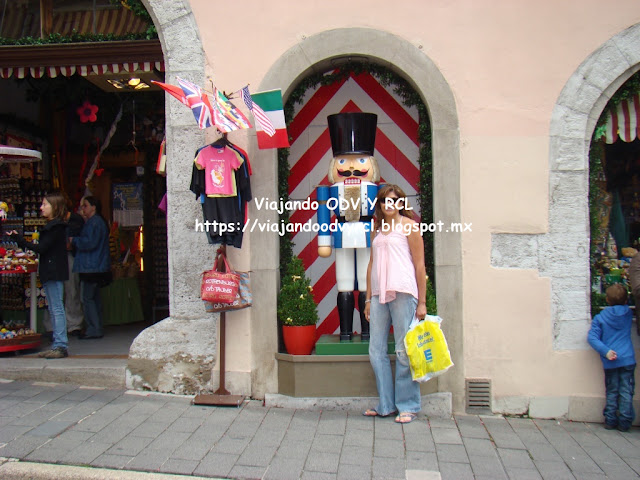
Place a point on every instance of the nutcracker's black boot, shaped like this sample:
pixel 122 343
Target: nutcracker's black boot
pixel 362 297
pixel 346 303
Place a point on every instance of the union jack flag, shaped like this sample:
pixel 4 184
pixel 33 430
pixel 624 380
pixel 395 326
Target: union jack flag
pixel 198 102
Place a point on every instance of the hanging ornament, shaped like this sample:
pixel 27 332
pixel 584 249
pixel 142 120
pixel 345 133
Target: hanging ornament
pixel 87 112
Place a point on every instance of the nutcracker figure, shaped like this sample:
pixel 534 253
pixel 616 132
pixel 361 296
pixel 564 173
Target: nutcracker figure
pixel 353 173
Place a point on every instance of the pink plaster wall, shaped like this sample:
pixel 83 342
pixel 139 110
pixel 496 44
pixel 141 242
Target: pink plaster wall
pixel 506 62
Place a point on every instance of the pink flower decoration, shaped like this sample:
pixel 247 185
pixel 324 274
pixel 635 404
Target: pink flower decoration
pixel 87 112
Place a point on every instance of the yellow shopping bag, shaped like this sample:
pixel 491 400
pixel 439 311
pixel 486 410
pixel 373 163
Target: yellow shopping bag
pixel 427 349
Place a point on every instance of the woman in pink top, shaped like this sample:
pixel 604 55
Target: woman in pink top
pixel 396 291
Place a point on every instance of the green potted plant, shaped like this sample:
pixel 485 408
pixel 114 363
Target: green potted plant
pixel 297 310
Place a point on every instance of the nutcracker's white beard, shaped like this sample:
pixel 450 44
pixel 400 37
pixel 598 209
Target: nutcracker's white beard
pixel 352 197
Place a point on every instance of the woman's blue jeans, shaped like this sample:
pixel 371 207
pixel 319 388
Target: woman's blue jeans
pixel 620 384
pixel 54 290
pixel 404 396
pixel 92 307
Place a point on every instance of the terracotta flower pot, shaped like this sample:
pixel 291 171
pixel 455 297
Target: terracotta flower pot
pixel 299 340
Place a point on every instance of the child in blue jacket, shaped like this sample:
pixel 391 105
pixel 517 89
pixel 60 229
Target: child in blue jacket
pixel 610 336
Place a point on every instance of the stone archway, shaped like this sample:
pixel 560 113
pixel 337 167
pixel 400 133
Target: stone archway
pixel 563 253
pixel 315 54
pixel 178 354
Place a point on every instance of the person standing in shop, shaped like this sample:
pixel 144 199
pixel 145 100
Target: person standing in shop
pixel 93 263
pixel 72 302
pixel 53 268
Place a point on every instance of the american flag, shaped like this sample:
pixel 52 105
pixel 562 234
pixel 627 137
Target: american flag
pixel 258 113
pixel 198 102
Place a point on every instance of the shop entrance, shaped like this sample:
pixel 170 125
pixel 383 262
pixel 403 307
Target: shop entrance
pixel 99 123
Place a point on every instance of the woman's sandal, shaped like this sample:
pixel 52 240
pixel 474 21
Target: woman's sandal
pixel 406 417
pixel 370 412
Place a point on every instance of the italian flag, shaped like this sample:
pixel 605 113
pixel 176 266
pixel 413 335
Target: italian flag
pixel 271 104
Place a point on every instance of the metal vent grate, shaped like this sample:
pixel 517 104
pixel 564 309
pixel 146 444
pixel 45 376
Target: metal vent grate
pixel 478 394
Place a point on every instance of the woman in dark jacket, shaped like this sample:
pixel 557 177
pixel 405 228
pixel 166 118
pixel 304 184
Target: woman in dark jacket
pixel 93 262
pixel 53 267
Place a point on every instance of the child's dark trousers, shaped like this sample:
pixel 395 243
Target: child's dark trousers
pixel 620 385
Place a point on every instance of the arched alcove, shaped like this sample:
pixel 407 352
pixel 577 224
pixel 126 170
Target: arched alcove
pixel 314 54
pixel 562 254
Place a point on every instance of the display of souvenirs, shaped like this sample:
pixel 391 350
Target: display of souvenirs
pixel 16 260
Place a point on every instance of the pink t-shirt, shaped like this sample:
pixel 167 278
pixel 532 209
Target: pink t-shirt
pixel 218 164
pixel 392 269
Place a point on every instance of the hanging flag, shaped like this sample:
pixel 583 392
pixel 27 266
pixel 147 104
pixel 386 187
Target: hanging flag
pixel 259 115
pixel 173 90
pixel 271 103
pixel 198 102
pixel 226 115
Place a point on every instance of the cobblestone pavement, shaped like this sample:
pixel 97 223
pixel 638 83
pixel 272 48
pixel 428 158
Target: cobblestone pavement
pixel 134 431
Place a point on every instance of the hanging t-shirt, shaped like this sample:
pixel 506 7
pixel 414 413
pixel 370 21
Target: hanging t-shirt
pixel 218 164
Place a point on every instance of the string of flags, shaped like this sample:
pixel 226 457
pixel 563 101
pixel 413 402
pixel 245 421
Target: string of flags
pixel 266 107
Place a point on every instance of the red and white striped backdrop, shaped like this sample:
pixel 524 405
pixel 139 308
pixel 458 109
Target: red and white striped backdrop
pixel 624 121
pixel 83 70
pixel 396 151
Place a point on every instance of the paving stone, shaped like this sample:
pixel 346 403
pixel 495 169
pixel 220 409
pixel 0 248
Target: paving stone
pixel 49 429
pixel 284 468
pixel 544 453
pixel 422 461
pixel 419 441
pixel 294 449
pixel 192 449
pixel 129 446
pixel 216 464
pixel 446 435
pixel 388 468
pixel 85 453
pixel 451 454
pixel 150 429
pixel 353 472
pixel 523 474
pixel 388 448
pixel 248 473
pixel 437 422
pixel 352 455
pixel 233 446
pixel 386 428
pixel 11 432
pixel 360 438
pixel 515 459
pixel 327 462
pixel 111 461
pixel 70 439
pixel 178 466
pixel 553 470
pixel 256 455
pixel 487 466
pixel 21 446
pixel 332 422
pixel 168 441
pixel 318 476
pixel 455 471
pixel 480 447
pixel 327 443
pixel 46 454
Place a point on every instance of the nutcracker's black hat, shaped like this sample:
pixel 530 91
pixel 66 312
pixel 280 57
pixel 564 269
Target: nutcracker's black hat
pixel 352 132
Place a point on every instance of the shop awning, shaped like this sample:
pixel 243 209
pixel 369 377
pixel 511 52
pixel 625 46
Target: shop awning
pixel 83 70
pixel 624 121
pixel 85 59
